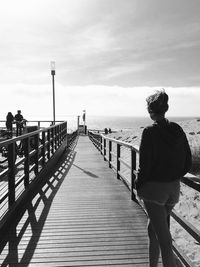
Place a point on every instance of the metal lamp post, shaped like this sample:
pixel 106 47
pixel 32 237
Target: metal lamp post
pixel 84 116
pixel 78 120
pixel 53 72
pixel 84 119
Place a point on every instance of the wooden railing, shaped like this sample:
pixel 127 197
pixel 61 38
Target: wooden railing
pixel 26 126
pixel 71 139
pixel 112 149
pixel 38 150
pixel 115 159
pixel 41 123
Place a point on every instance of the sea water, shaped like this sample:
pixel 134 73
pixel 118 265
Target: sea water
pixel 116 123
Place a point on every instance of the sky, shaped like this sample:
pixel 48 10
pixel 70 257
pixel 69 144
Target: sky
pixel 109 55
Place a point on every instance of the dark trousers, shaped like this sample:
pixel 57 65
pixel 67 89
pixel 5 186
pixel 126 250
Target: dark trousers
pixel 9 127
pixel 19 129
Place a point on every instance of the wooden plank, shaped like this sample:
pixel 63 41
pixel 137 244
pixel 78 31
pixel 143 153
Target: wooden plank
pixel 82 217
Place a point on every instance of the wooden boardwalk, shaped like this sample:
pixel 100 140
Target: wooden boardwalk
pixel 82 217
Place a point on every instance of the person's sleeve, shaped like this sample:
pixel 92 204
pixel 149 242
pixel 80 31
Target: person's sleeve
pixel 145 160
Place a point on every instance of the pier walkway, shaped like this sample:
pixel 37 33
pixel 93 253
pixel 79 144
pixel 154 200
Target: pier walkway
pixel 82 216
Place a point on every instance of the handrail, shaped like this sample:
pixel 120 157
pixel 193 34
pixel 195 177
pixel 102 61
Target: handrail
pixel 29 123
pixel 37 148
pixel 71 138
pixel 100 141
pixel 37 121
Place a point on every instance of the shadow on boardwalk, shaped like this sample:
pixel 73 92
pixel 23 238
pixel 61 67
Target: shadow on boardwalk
pixel 81 216
pixel 26 231
pixel 86 172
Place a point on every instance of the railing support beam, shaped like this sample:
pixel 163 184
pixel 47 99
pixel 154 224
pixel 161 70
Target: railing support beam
pixel 133 176
pixel 104 149
pixel 110 155
pixel 27 161
pixel 118 160
pixel 11 174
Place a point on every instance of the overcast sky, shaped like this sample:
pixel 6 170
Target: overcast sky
pixel 109 54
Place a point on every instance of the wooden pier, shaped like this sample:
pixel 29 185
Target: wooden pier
pixel 82 216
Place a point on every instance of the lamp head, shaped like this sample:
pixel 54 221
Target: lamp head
pixel 53 68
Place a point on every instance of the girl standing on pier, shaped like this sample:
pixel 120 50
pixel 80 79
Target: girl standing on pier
pixel 9 122
pixel 165 157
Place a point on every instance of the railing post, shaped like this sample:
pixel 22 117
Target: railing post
pixel 101 144
pixel 56 137
pixel 133 169
pixel 118 160
pixel 96 141
pixel 110 155
pixel 43 148
pixel 52 140
pixel 49 144
pixel 67 141
pixel 11 174
pixel 27 160
pixel 65 131
pixel 36 156
pixel 59 135
pixel 66 136
pixel 104 149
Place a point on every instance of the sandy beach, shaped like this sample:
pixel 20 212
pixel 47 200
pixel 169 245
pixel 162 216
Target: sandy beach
pixel 189 205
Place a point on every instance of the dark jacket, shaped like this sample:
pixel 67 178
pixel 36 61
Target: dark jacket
pixel 19 117
pixel 9 121
pixel 164 153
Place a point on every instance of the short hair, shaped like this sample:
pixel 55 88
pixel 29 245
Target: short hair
pixel 158 102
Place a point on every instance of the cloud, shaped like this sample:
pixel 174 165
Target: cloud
pixel 89 38
pixel 36 101
pixel 108 54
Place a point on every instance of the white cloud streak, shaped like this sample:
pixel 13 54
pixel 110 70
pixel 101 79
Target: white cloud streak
pixel 108 54
pixel 36 102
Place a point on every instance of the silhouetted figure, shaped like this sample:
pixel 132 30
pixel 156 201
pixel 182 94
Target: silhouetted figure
pixel 9 123
pixel 109 130
pixel 165 157
pixel 19 123
pixel 106 131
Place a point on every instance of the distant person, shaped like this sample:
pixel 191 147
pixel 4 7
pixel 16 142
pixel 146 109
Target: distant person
pixel 9 123
pixel 165 157
pixel 19 119
pixel 109 130
pixel 106 131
